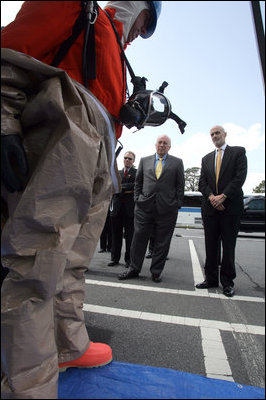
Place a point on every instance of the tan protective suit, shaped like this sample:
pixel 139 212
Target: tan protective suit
pixel 54 224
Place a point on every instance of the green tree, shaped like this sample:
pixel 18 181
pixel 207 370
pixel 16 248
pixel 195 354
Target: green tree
pixel 260 188
pixel 192 179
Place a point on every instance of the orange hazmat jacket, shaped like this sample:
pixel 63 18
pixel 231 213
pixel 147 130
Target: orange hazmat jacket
pixel 39 29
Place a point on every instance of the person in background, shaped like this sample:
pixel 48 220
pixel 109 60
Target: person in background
pixel 159 192
pixel 223 173
pixel 106 236
pixel 122 211
pixel 59 125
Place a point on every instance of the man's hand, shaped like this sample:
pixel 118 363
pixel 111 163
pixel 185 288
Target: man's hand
pixel 13 154
pixel 217 201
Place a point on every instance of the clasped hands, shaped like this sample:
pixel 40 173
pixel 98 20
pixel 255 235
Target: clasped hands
pixel 217 201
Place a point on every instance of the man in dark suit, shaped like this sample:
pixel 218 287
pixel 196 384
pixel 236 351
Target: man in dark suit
pixel 223 173
pixel 106 235
pixel 122 211
pixel 159 192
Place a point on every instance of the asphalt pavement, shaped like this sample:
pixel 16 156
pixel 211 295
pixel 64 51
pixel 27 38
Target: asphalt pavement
pixel 174 325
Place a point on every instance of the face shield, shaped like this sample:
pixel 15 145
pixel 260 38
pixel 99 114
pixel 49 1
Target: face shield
pixel 159 109
pixel 148 108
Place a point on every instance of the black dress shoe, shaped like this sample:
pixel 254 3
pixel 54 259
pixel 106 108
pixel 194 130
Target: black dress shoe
pixel 228 291
pixel 149 255
pixel 206 285
pixel 112 264
pixel 102 251
pixel 156 278
pixel 131 273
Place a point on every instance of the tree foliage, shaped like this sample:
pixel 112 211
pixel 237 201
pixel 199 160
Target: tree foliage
pixel 260 188
pixel 192 176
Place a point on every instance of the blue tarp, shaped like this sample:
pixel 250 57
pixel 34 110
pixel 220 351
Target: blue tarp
pixel 120 380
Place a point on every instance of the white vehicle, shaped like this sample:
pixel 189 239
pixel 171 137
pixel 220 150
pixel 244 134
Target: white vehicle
pixel 189 215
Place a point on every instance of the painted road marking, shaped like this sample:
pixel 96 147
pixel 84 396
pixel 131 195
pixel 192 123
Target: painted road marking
pixel 199 292
pixel 175 319
pixel 241 238
pixel 196 268
pixel 215 358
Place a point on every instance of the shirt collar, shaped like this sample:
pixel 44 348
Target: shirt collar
pixel 223 148
pixel 163 159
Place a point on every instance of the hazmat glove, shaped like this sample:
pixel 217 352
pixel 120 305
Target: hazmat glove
pixel 13 157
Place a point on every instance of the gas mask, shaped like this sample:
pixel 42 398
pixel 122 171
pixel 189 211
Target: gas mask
pixel 148 108
pixel 145 107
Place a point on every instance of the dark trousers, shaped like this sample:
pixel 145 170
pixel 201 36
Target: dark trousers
pixel 162 228
pixel 220 228
pixel 151 242
pixel 106 235
pixel 122 226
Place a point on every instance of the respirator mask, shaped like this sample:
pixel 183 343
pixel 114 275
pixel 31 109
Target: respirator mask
pixel 145 107
pixel 148 108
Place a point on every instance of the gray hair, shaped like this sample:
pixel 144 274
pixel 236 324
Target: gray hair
pixel 166 136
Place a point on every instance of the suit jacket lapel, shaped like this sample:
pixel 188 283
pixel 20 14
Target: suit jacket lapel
pixel 211 166
pixel 225 160
pixel 166 163
pixel 153 160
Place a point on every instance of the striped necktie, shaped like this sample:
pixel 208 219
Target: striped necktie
pixel 159 168
pixel 218 167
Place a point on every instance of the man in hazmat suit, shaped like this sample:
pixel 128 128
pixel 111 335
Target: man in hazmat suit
pixel 58 139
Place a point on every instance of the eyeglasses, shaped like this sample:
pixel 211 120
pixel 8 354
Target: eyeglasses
pixel 215 133
pixel 128 158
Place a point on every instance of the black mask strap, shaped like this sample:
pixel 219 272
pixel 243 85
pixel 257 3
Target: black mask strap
pixel 181 124
pixel 138 82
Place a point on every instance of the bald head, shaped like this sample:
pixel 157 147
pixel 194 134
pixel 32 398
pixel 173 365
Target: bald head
pixel 218 135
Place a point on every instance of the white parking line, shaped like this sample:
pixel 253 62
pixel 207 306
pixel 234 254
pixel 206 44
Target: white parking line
pixel 198 293
pixel 196 268
pixel 175 319
pixel 215 358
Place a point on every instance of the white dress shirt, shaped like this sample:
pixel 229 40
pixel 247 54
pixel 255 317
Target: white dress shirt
pixel 222 154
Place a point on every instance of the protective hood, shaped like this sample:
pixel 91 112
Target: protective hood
pixel 127 12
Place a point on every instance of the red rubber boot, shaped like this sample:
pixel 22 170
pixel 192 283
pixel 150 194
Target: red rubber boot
pixel 97 355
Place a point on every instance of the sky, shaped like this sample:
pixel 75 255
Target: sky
pixel 207 52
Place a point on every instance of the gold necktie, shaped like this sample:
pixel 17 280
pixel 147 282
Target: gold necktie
pixel 218 167
pixel 159 168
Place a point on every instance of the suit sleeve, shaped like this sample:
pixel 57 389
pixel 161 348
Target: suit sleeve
pixel 235 185
pixel 180 184
pixel 139 181
pixel 204 188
